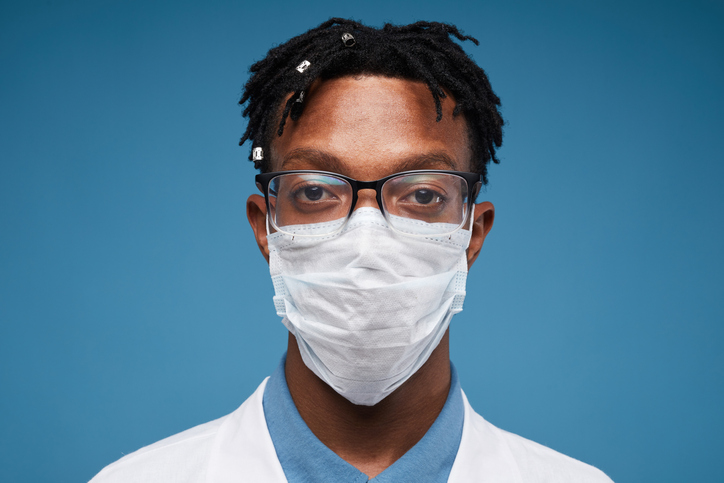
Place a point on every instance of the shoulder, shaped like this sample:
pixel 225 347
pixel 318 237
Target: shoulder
pixel 180 458
pixel 540 463
pixel 235 444
pixel 487 451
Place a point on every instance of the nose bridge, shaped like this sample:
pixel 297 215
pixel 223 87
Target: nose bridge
pixel 366 197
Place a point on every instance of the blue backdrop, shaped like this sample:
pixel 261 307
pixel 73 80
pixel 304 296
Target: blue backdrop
pixel 134 303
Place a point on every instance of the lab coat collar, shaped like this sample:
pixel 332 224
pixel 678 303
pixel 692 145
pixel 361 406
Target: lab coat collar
pixel 243 450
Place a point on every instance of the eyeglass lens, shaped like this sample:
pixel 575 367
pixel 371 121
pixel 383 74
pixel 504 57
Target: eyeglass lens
pixel 432 202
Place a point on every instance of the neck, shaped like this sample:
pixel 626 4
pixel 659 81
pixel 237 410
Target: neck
pixel 371 438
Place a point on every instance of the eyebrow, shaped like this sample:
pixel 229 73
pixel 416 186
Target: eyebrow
pixel 434 160
pixel 328 162
pixel 318 159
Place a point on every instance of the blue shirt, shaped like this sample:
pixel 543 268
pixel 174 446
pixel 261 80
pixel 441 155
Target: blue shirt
pixel 304 458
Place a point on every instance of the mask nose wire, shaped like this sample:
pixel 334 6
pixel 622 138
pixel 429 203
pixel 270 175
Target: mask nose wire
pixel 372 204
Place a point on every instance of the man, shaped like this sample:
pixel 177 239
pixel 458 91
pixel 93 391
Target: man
pixel 372 144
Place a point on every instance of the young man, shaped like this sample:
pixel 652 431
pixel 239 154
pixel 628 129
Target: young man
pixel 372 144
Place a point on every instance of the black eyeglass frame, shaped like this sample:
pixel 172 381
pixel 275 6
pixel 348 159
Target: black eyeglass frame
pixel 474 182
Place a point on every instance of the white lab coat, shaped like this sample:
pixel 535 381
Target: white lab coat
pixel 238 448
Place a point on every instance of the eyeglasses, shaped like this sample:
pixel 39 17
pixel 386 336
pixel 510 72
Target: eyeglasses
pixel 319 203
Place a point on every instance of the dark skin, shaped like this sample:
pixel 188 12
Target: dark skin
pixel 366 128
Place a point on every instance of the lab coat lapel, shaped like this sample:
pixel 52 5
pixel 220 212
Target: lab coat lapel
pixel 243 450
pixel 483 454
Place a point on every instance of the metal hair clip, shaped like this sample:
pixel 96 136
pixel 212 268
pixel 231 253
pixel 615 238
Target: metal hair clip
pixel 348 40
pixel 303 66
pixel 257 154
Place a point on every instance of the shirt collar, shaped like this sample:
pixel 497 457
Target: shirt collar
pixel 304 457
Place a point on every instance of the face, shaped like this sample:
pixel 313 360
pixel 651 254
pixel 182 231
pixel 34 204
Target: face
pixel 367 128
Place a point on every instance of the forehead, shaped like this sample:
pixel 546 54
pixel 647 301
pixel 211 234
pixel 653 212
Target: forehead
pixel 372 126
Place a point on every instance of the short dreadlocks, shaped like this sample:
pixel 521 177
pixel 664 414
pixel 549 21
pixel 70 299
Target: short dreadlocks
pixel 423 51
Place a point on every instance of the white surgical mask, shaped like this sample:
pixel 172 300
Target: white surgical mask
pixel 368 305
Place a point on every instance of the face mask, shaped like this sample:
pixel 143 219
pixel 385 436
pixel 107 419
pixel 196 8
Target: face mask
pixel 368 305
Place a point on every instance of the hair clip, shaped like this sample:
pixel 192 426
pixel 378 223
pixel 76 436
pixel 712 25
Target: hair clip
pixel 303 66
pixel 257 154
pixel 300 99
pixel 348 40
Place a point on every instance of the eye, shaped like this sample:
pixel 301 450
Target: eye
pixel 425 197
pixel 312 192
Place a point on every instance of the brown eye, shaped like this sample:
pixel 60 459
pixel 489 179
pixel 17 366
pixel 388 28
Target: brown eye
pixel 313 193
pixel 424 196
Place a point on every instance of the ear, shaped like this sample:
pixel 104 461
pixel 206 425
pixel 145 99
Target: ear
pixel 256 213
pixel 483 222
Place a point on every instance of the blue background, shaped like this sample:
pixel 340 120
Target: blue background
pixel 134 303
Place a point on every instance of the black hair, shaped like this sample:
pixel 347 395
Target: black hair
pixel 422 51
